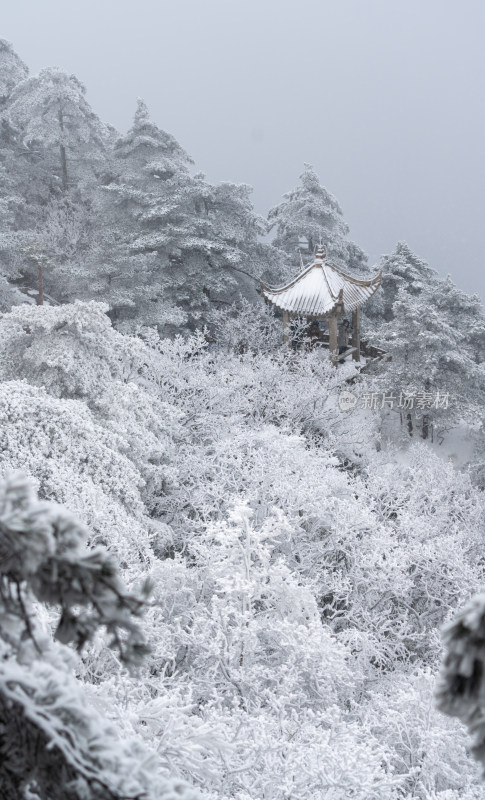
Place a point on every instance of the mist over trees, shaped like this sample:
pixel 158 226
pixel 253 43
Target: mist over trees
pixel 215 583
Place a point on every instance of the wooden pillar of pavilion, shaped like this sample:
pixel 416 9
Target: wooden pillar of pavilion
pixel 333 331
pixel 356 334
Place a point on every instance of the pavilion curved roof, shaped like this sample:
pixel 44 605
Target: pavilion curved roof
pixel 320 289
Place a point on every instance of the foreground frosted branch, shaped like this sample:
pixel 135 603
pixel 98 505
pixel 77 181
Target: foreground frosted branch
pixel 461 689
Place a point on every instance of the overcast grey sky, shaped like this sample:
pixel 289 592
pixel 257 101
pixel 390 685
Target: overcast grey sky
pixel 385 98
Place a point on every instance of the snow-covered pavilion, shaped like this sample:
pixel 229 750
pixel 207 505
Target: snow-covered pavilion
pixel 322 292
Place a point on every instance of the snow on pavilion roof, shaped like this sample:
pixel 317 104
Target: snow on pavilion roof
pixel 320 288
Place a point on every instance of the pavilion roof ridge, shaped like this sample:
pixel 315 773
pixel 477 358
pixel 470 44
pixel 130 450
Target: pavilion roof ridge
pixel 332 293
pixel 320 288
pixel 318 262
pixel 357 281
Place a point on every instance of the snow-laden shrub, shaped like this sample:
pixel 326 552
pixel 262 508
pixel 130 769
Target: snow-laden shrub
pixel 246 327
pixel 299 575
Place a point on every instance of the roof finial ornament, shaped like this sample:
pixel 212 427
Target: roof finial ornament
pixel 320 254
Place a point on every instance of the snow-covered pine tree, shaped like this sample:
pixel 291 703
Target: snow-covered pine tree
pixel 11 206
pixel 50 110
pixel 12 71
pixel 308 216
pixel 128 277
pixel 401 269
pixel 60 134
pixel 124 222
pixel 433 349
pixel 13 178
pixel 25 183
pixel 185 243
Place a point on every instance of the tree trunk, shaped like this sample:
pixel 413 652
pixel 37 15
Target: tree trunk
pixel 410 424
pixel 40 298
pixel 63 154
pixel 64 168
pixel 426 417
